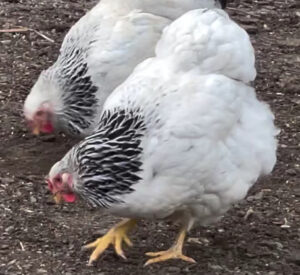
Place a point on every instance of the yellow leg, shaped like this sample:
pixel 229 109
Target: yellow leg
pixel 114 236
pixel 175 252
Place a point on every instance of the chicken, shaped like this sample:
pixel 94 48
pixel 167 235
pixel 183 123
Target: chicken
pixel 99 53
pixel 183 138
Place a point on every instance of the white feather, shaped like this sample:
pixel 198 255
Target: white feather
pixel 208 137
pixel 124 33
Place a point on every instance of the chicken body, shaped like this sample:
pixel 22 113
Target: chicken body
pixel 184 137
pixel 99 53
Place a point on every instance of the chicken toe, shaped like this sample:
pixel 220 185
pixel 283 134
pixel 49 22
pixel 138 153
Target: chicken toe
pixel 115 236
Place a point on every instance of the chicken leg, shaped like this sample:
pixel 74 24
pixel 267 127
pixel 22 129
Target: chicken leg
pixel 114 236
pixel 175 252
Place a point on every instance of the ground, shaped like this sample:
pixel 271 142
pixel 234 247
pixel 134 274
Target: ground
pixel 38 237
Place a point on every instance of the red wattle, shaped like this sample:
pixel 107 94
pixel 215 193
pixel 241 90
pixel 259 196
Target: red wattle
pixel 69 197
pixel 47 128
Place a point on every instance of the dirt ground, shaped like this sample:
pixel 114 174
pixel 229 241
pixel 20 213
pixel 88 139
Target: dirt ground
pixel 38 237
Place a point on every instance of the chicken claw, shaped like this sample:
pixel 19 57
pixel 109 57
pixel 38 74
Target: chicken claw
pixel 114 236
pixel 175 252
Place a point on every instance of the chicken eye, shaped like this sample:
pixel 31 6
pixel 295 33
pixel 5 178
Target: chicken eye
pixel 39 113
pixel 58 180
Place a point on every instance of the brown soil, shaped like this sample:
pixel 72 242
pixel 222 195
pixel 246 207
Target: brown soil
pixel 38 237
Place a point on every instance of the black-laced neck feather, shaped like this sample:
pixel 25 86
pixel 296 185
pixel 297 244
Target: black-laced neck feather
pixel 79 94
pixel 109 161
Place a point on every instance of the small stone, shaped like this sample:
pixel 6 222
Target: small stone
pixel 285 226
pixel 194 240
pixel 291 172
pixel 6 42
pixel 41 271
pixel 278 245
pixel 215 267
pixel 259 195
pixel 100 232
pixel 27 266
pixel 255 197
pixel 250 198
pixel 9 229
pixel 7 180
pixel 296 101
pixel 293 42
pixel 33 200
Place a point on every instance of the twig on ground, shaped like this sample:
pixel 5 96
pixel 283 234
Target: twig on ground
pixel 24 29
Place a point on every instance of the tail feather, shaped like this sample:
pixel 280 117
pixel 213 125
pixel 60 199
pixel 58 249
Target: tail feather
pixel 209 41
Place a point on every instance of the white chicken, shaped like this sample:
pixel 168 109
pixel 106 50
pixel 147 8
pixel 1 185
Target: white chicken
pixel 99 53
pixel 183 138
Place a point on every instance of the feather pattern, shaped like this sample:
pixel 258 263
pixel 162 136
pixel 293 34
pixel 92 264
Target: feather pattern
pixel 99 53
pixel 115 150
pixel 202 138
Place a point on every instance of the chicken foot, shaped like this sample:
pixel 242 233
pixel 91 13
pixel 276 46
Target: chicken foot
pixel 115 236
pixel 175 252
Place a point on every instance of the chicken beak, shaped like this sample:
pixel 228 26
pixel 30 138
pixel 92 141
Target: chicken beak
pixel 36 130
pixel 58 198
